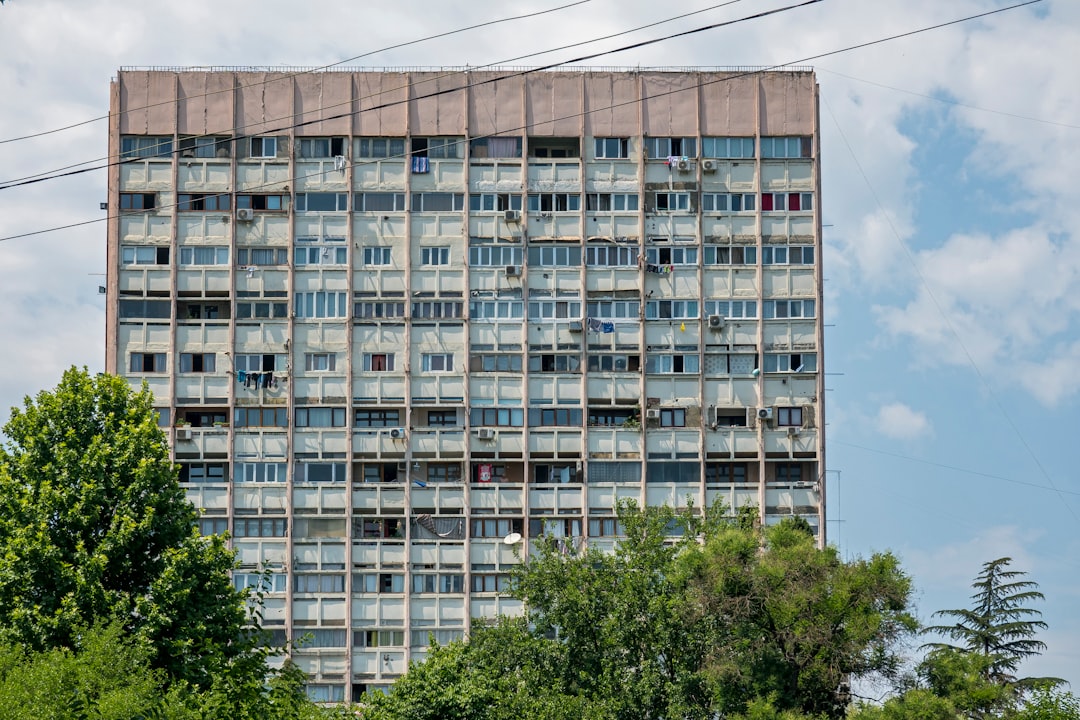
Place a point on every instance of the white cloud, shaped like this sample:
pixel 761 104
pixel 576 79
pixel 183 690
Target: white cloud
pixel 898 421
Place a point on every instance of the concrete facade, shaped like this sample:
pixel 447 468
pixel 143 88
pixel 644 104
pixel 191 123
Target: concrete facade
pixel 395 321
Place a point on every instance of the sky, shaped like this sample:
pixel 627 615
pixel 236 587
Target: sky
pixel 952 255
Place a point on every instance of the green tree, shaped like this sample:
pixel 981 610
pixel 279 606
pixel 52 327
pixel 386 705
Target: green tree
pixel 94 527
pixel 1001 626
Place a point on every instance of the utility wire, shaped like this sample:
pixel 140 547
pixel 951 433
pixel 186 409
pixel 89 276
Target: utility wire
pixel 291 75
pixel 240 135
pixel 629 102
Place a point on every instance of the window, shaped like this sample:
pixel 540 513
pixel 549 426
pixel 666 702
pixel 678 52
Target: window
pixel 787 255
pixel 205 147
pixel 555 417
pixel 260 363
pixel 495 527
pixel 376 309
pixel 494 255
pixel 605 527
pixel 671 309
pixel 204 256
pixel 430 583
pixel 203 472
pixel 259 527
pixel 437 309
pixel 790 362
pixel 322 202
pixel 484 362
pixel 144 255
pixel 613 309
pixel 614 362
pixel 675 363
pixel 320 472
pixel 435 256
pixel 135 146
pixel 443 472
pixel 316 417
pixel 262 310
pixel 213 526
pixel 779 309
pixel 661 148
pixel 380 147
pixel 787 201
pixel 727 147
pixel 261 256
pixel 263 147
pixel 555 256
pixel 262 202
pixel 437 202
pixel 138 201
pixel 147 363
pixel 730 364
pixel 378 583
pixel 789 472
pixel 681 472
pixel 379 202
pixel 732 308
pixel 325 147
pixel 259 472
pixel 672 417
pixel 270 582
pixel 198 362
pixel 671 256
pixel 260 417
pixel 145 309
pixel 497 417
pixel 202 311
pixel 611 148
pixel 490 583
pixel 442 418
pixel 202 202
pixel 614 472
pixel 377 362
pixel 789 416
pixel 495 147
pixel 611 416
pixel 323 255
pixel 437 362
pixel 554 202
pixel 611 202
pixel 671 201
pixel 558 363
pixel 785 147
pixel 320 362
pixel 321 638
pixel 376 418
pixel 726 473
pixel 494 202
pixel 730 255
pixel 554 310
pixel 438 148
pixel 559 528
pixel 320 304
pixel 554 147
pixel 611 256
pixel 560 473
pixel 493 310
pixel 423 638
pixel 728 202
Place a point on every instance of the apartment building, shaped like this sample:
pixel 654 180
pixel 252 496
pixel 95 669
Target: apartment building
pixel 400 324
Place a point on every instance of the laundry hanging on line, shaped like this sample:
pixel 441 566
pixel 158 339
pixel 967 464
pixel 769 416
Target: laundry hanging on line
pixel 256 380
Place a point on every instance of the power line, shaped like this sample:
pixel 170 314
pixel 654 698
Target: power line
pixel 615 105
pixel 59 172
pixel 316 69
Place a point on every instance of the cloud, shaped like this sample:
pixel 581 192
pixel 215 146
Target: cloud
pixel 898 421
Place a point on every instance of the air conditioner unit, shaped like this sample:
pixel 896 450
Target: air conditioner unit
pixel 513 271
pixel 716 322
pixel 652 414
pixel 793 432
pixel 183 433
pixel 764 413
pixel 708 166
pixel 397 433
pixel 683 165
pixel 576 326
pixel 512 216
pixel 485 434
pixel 245 215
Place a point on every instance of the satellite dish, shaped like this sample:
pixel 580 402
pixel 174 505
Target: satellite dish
pixel 512 539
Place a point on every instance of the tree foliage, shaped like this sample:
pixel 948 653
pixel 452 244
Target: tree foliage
pixel 691 616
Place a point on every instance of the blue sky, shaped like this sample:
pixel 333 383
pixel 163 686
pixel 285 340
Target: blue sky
pixel 952 256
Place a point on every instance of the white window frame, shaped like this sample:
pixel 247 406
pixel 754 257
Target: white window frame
pixel 341 201
pixel 790 362
pixel 620 146
pixel 723 148
pixel 675 201
pixel 320 362
pixel 614 310
pixel 433 256
pixel 367 358
pixel 725 202
pixel 494 255
pixel 713 254
pixel 321 304
pixel 189 255
pixel 677 309
pixel 802 309
pixel 267 147
pixel 554 309
pixel 491 310
pixel 139 254
pixel 735 309
pixel 376 255
pixel 675 255
pixel 623 255
pixel 437 362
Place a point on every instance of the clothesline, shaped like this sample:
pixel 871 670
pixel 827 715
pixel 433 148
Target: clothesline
pixel 258 379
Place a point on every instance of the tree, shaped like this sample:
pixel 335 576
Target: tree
pixel 1001 627
pixel 94 528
